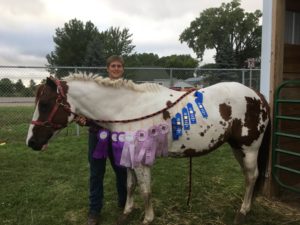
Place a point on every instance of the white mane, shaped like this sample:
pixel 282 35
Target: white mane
pixel 129 84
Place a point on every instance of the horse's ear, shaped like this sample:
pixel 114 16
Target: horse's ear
pixel 50 82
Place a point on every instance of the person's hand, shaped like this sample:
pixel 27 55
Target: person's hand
pixel 80 120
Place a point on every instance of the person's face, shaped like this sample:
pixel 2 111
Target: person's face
pixel 115 70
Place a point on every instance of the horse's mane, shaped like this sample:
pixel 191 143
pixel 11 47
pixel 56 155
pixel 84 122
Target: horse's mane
pixel 105 81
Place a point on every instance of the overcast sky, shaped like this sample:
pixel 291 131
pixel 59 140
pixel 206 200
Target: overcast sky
pixel 27 27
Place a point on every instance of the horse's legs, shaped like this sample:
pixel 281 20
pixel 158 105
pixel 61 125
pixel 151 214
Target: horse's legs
pixel 131 185
pixel 249 166
pixel 143 174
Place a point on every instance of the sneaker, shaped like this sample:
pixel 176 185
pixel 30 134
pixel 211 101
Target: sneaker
pixel 93 219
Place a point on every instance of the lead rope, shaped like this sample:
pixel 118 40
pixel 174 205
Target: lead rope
pixel 190 183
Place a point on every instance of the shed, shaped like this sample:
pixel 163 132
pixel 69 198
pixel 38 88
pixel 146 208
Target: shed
pixel 280 83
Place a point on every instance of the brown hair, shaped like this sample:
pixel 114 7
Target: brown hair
pixel 114 58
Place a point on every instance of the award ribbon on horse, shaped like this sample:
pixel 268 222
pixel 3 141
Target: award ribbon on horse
pixel 199 102
pixel 127 158
pixel 117 139
pixel 191 113
pixel 185 116
pixel 162 140
pixel 101 150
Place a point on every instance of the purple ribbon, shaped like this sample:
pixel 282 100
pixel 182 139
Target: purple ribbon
pixel 146 146
pixel 162 140
pixel 117 146
pixel 128 152
pixel 141 147
pixel 101 150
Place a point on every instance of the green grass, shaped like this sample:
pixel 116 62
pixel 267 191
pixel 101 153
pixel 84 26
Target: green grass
pixel 51 187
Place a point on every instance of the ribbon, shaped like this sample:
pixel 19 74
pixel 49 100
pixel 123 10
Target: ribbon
pixel 174 125
pixel 117 146
pixel 178 124
pixel 101 150
pixel 185 116
pixel 162 140
pixel 199 101
pixel 191 113
pixel 128 152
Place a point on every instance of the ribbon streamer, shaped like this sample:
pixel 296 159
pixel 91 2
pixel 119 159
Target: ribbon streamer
pixel 117 146
pixel 101 150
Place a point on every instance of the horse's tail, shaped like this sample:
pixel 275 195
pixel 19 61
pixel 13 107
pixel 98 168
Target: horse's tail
pixel 262 159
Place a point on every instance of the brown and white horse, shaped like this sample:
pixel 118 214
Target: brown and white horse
pixel 225 112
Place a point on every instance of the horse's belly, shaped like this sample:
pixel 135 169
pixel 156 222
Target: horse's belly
pixel 197 142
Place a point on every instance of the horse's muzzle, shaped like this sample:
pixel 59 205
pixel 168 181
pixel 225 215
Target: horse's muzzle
pixel 32 143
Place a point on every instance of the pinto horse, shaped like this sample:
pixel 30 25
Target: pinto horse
pixel 197 122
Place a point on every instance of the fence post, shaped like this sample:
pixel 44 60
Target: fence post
pixel 250 78
pixel 243 77
pixel 171 77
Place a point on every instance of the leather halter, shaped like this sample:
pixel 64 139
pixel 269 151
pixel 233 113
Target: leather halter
pixel 59 102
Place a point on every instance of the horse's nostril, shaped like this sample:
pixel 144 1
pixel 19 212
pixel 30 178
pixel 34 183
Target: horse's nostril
pixel 31 143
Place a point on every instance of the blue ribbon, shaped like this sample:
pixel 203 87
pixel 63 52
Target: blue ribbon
pixel 174 134
pixel 199 101
pixel 178 124
pixel 185 115
pixel 191 113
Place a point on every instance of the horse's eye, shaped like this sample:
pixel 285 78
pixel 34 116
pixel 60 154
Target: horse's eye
pixel 43 107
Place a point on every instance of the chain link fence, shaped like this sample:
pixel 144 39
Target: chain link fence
pixel 18 86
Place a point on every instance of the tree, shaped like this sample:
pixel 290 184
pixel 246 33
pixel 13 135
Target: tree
pixel 79 44
pixel 117 42
pixel 233 33
pixel 179 61
pixel 141 59
pixel 71 43
pixel 7 87
pixel 19 86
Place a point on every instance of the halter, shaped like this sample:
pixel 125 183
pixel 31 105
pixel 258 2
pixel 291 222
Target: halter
pixel 58 103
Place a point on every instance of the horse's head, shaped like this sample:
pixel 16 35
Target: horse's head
pixel 52 113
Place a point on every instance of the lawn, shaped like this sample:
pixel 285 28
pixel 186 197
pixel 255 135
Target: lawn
pixel 51 187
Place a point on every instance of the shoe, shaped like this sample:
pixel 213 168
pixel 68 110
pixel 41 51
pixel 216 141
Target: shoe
pixel 93 220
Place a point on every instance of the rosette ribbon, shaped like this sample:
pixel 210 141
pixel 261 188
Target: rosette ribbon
pixel 128 152
pixel 101 150
pixel 162 140
pixel 117 139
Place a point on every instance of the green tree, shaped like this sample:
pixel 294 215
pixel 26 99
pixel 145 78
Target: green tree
pixel 19 87
pixel 179 61
pixel 141 60
pixel 71 43
pixel 117 41
pixel 7 87
pixel 233 33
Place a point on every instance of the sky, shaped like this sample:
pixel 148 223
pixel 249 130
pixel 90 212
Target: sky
pixel 27 26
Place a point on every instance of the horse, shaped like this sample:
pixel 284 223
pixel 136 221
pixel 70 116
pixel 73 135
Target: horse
pixel 195 122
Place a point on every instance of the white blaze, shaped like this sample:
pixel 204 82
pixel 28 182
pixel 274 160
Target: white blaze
pixel 35 117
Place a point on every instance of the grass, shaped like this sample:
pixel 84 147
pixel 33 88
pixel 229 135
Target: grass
pixel 51 188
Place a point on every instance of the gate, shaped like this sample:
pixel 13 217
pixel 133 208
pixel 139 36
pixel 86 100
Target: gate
pixel 286 136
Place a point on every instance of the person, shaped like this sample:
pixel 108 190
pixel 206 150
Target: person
pixel 115 69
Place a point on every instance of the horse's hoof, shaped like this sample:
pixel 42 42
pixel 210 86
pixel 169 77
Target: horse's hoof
pixel 122 219
pixel 239 218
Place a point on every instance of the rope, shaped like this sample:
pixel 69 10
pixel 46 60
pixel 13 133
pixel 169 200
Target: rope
pixel 190 183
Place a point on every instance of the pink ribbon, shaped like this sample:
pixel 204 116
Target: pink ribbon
pixel 127 158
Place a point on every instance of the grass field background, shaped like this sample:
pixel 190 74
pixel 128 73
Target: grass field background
pixel 51 187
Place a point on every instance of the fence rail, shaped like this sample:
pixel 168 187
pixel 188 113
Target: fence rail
pixel 18 84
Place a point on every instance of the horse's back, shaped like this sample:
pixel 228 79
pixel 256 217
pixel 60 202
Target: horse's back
pixel 234 112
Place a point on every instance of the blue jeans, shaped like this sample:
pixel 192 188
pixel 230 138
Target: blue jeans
pixel 97 171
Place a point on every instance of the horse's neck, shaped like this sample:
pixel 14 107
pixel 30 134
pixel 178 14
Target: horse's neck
pixel 109 103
